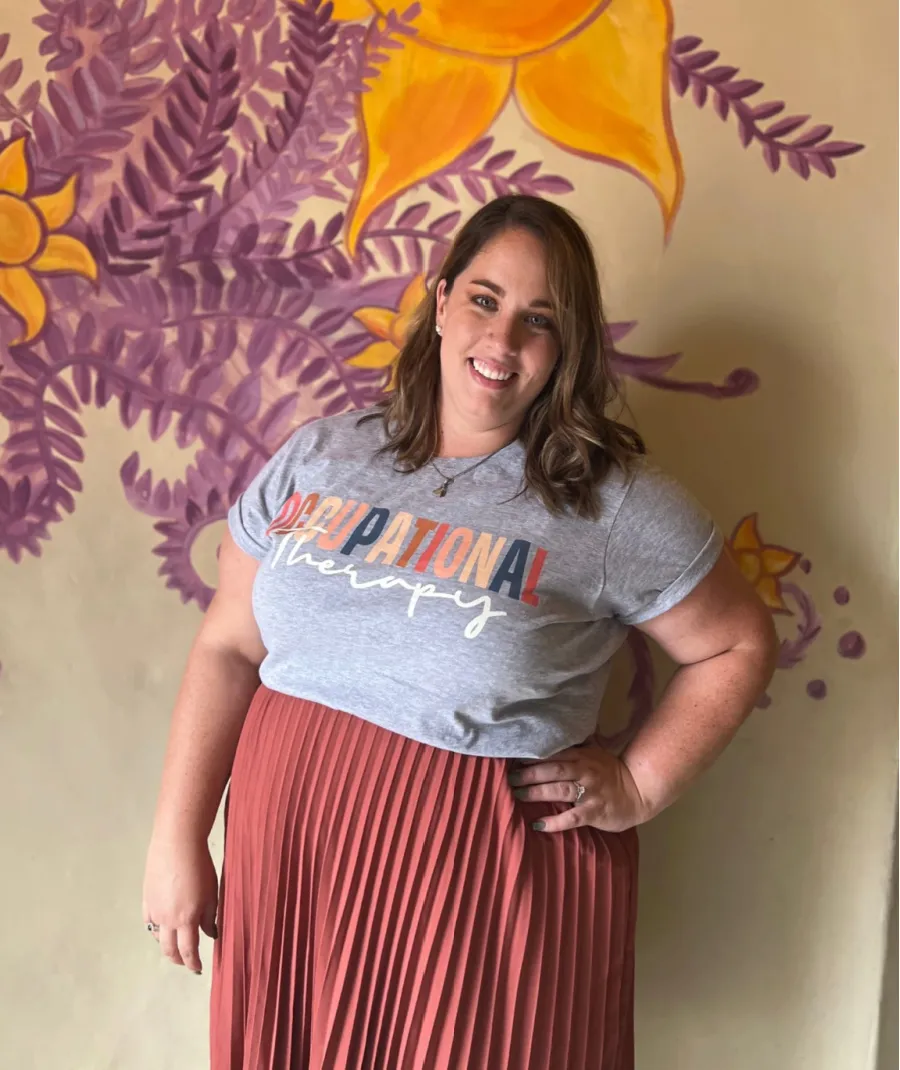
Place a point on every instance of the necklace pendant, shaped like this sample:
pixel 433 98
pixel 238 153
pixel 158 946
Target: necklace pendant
pixel 441 491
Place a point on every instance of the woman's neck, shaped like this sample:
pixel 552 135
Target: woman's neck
pixel 459 441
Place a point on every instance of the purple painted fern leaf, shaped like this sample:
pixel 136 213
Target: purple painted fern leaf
pixel 186 148
pixel 311 31
pixel 805 148
pixel 481 176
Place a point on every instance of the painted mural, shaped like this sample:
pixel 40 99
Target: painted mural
pixel 162 248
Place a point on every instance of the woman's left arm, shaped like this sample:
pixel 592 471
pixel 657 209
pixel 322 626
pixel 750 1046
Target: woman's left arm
pixel 724 641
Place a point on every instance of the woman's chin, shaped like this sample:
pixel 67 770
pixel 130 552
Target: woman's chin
pixel 484 407
pixel 492 410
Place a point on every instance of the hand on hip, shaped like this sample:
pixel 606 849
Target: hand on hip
pixel 599 786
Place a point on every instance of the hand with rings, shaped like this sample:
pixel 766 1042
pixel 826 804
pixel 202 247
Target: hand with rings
pixel 599 786
pixel 180 898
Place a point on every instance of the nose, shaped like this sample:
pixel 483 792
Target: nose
pixel 504 333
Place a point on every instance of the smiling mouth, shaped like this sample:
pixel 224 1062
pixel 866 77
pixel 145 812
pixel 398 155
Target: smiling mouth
pixel 490 372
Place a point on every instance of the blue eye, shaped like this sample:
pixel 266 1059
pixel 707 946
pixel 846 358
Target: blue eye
pixel 483 301
pixel 541 322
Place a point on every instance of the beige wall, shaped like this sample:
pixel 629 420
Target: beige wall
pixel 764 892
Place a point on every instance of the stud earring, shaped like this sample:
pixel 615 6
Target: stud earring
pixel 438 328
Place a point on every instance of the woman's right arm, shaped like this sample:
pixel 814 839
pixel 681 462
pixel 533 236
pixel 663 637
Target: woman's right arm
pixel 180 887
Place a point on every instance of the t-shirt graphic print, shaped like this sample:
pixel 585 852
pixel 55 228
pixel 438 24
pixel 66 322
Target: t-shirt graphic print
pixel 476 622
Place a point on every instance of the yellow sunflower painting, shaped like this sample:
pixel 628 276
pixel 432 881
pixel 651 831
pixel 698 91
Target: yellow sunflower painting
pixel 763 564
pixel 590 75
pixel 29 242
pixel 390 328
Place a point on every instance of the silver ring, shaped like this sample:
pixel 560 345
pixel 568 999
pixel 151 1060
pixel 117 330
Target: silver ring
pixel 152 927
pixel 579 792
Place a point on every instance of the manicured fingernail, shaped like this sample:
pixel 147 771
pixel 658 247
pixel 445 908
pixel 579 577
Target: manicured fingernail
pixel 521 793
pixel 513 779
pixel 538 826
pixel 215 932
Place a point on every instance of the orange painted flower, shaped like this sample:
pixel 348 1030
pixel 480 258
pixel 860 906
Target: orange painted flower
pixel 29 244
pixel 390 327
pixel 590 75
pixel 762 564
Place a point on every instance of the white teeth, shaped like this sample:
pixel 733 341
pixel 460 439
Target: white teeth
pixel 491 373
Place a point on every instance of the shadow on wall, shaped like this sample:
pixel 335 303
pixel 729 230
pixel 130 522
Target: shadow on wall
pixel 737 880
pixel 888 1055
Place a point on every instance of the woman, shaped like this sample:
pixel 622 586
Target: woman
pixel 429 863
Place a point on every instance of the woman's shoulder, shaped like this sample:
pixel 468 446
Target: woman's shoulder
pixel 653 508
pixel 353 431
pixel 661 543
pixel 618 483
pixel 644 485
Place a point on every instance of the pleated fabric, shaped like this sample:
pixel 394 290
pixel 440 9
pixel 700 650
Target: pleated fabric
pixel 386 905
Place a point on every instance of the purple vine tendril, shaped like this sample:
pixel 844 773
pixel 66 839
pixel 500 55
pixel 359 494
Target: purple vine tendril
pixel 655 371
pixel 809 627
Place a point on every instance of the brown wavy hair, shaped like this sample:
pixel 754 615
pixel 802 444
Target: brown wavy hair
pixel 570 441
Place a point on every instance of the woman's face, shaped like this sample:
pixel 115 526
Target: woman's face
pixel 499 343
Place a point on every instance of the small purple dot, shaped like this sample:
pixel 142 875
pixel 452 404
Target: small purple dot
pixel 851 645
pixel 805 565
pixel 817 689
pixel 842 596
pixel 764 702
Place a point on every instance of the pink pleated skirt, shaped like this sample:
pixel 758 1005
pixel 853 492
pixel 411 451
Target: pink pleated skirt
pixel 386 905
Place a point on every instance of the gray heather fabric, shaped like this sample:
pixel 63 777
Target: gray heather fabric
pixel 477 622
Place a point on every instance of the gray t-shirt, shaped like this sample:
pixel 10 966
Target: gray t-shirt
pixel 477 622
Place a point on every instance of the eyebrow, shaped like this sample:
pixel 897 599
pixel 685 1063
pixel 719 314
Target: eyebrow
pixel 541 302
